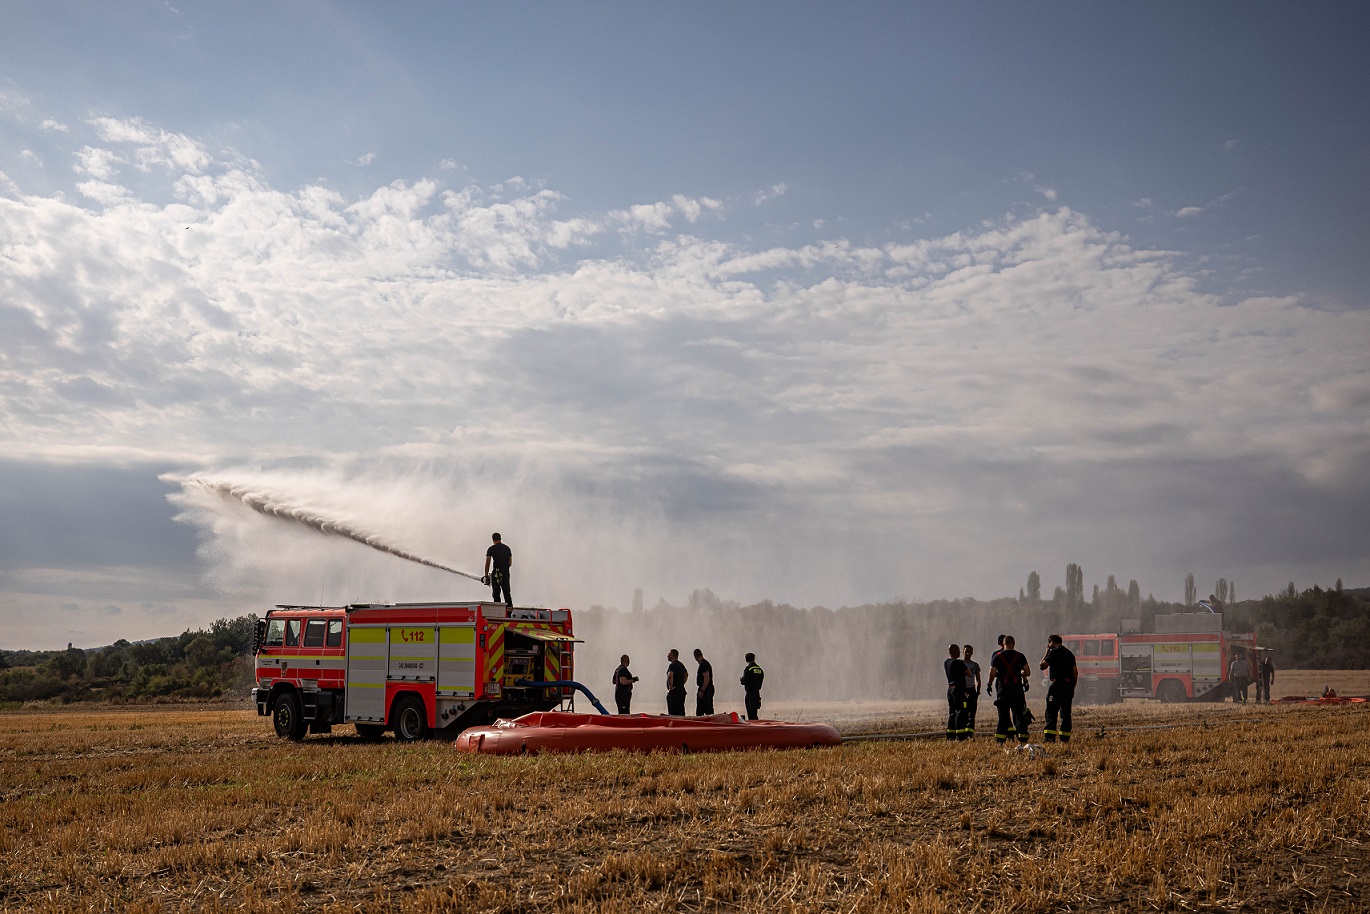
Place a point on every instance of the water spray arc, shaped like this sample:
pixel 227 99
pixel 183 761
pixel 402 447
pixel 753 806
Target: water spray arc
pixel 269 506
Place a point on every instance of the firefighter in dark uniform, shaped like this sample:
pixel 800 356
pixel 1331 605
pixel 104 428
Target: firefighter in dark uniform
pixel 704 682
pixel 1010 670
pixel 675 684
pixel 501 557
pixel 1059 662
pixel 972 688
pixel 752 677
pixel 955 669
pixel 989 683
pixel 623 686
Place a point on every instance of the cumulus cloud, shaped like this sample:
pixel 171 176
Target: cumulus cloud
pixel 153 146
pixel 762 197
pixel 695 393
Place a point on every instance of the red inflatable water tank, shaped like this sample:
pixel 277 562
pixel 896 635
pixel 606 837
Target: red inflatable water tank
pixel 559 731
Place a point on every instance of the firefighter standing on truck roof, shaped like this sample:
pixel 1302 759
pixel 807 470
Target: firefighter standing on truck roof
pixel 675 684
pixel 1010 669
pixel 501 556
pixel 955 668
pixel 623 686
pixel 1059 661
pixel 704 681
pixel 752 677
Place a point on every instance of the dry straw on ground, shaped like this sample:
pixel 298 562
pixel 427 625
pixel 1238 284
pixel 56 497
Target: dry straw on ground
pixel 1231 809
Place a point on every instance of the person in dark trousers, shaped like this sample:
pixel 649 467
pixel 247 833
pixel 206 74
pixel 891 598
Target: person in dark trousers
pixel 676 676
pixel 989 685
pixel 704 682
pixel 752 677
pixel 1267 677
pixel 1009 669
pixel 500 557
pixel 972 688
pixel 623 686
pixel 1059 662
pixel 955 668
pixel 1237 671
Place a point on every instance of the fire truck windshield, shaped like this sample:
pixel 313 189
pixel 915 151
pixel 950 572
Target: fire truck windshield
pixel 275 633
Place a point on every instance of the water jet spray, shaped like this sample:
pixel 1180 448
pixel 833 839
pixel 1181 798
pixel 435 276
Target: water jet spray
pixel 270 506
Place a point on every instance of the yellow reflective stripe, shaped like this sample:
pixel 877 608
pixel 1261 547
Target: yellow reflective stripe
pixel 464 634
pixel 366 685
pixel 367 635
pixel 367 656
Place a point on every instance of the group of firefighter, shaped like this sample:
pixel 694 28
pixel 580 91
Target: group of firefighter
pixel 676 678
pixel 1008 682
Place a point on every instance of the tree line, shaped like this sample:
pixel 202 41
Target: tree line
pixel 874 651
pixel 213 663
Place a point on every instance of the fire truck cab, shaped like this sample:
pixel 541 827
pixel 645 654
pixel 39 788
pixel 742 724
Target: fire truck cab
pixel 410 668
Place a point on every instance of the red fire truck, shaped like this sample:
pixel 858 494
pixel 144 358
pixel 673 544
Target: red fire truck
pixel 1186 658
pixel 413 668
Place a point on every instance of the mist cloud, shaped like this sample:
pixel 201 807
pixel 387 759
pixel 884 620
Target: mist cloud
pixel 638 403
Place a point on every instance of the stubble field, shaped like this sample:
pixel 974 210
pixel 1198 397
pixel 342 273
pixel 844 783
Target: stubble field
pixel 1206 807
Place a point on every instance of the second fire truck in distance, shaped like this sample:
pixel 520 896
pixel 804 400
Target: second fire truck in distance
pixel 411 668
pixel 1186 658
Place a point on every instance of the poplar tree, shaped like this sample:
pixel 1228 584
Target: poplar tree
pixel 1075 586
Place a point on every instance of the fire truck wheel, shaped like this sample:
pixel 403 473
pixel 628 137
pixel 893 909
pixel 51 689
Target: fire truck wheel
pixel 371 732
pixel 410 718
pixel 1171 692
pixel 288 716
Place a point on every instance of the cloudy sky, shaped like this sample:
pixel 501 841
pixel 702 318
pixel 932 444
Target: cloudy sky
pixel 827 304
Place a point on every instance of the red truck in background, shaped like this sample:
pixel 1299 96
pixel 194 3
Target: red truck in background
pixel 1186 658
pixel 411 668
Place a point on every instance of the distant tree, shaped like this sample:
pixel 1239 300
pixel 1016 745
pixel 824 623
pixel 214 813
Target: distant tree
pixel 1075 587
pixel 68 663
pixel 1338 585
pixel 1290 591
pixel 1134 594
pixel 1191 594
pixel 637 600
pixel 1232 590
pixel 1220 590
pixel 1034 587
pixel 1058 597
pixel 1095 600
pixel 1022 595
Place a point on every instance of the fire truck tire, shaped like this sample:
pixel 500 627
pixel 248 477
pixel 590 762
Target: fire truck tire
pixel 1171 692
pixel 372 733
pixel 410 718
pixel 288 717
